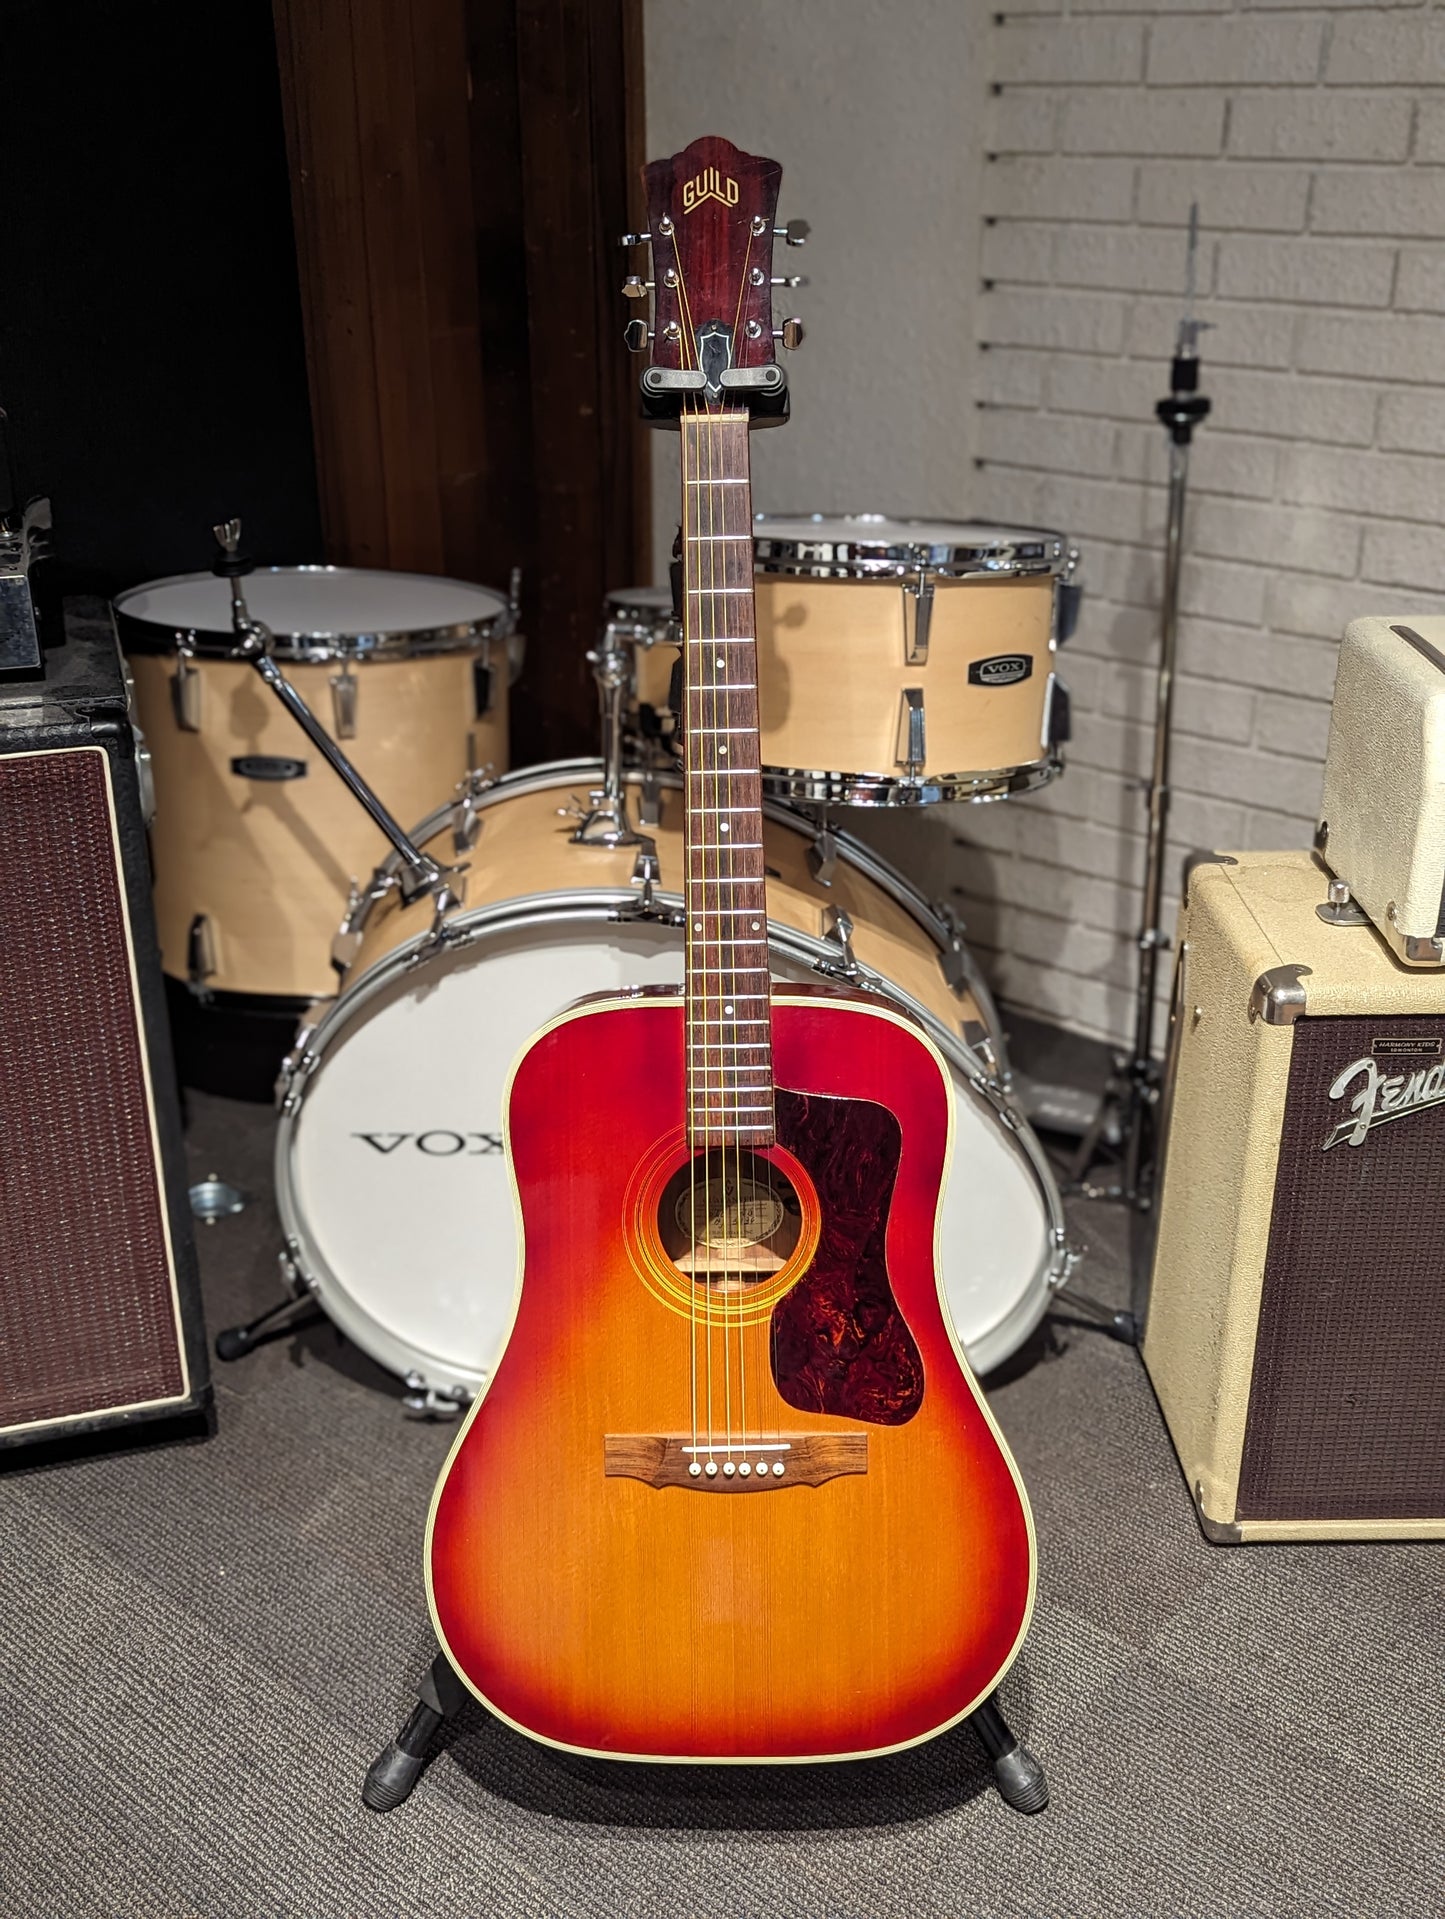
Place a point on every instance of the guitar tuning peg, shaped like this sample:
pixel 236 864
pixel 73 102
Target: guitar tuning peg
pixel 791 333
pixel 634 287
pixel 795 233
pixel 637 335
pixel 789 280
pixel 633 239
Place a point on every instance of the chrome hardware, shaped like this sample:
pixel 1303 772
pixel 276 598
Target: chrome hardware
pixel 664 226
pixel 911 747
pixel 200 956
pixel 794 234
pixel 186 691
pixel 346 940
pixel 1192 863
pixel 514 601
pixel 917 599
pixel 423 1401
pixel 1341 908
pixel 790 332
pixel 605 821
pixel 649 806
pixel 466 817
pixel 1278 998
pixel 214 1198
pixel 754 330
pixel 633 239
pixel 634 287
pixel 1415 949
pixel 822 856
pixel 647 874
pixel 838 927
pixel 672 333
pixel 786 280
pixel 343 703
pixel 298 1064
pixel 636 334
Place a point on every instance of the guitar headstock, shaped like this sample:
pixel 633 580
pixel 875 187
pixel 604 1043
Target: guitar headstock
pixel 711 225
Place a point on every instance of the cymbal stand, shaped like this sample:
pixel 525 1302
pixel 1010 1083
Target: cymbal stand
pixel 1130 1101
pixel 417 872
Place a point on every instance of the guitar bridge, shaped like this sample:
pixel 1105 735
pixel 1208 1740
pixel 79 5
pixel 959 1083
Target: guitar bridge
pixel 762 1465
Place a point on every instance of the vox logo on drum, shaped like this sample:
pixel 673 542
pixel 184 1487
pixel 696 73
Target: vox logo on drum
pixel 1004 669
pixel 708 185
pixel 439 1143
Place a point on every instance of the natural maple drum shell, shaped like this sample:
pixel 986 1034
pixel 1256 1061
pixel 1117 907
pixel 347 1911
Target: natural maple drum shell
pixel 270 863
pixel 803 1622
pixel 524 847
pixel 832 673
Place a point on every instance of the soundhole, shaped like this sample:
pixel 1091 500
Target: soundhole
pixel 730 1219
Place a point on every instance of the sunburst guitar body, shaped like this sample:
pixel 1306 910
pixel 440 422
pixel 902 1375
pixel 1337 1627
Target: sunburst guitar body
pixel 731 1493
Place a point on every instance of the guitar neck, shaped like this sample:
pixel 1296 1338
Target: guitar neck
pixel 729 1032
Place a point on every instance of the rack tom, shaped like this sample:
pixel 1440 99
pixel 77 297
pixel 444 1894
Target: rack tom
pixel 256 842
pixel 902 662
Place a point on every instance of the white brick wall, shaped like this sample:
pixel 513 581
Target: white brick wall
pixel 1313 136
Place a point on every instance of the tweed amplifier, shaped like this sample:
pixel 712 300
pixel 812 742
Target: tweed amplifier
pixel 1295 1329
pixel 1382 810
pixel 100 1319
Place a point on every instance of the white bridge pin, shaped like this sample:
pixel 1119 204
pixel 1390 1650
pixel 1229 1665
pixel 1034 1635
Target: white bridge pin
pixel 711 1469
pixel 745 1469
pixel 695 1469
pixel 777 1469
pixel 729 1470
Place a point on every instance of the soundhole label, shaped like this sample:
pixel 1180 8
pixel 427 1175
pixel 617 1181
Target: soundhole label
pixel 730 1219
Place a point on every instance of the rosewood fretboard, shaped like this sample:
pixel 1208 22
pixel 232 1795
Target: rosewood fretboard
pixel 729 1050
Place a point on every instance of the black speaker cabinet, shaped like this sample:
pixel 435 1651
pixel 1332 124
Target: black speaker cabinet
pixel 1296 1321
pixel 100 1319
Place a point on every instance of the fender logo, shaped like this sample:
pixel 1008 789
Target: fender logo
pixel 1383 1097
pixel 709 185
pixel 437 1144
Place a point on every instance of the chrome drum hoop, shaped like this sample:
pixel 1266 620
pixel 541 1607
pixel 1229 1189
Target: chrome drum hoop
pixel 467 636
pixel 842 550
pixel 814 788
pixel 550 909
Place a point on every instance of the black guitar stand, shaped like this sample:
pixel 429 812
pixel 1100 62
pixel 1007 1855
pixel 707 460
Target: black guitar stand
pixel 394 1772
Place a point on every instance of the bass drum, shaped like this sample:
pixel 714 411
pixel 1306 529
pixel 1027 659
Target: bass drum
pixel 390 1170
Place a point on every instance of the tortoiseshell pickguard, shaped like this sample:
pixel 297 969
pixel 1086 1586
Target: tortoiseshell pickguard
pixel 840 1344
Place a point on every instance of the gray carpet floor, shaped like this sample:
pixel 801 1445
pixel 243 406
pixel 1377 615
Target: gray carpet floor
pixel 202 1646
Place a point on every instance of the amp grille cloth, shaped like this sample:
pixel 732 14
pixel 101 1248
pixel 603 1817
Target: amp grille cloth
pixel 87 1315
pixel 1347 1401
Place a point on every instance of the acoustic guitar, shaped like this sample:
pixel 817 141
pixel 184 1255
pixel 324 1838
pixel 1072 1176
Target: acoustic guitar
pixel 731 1492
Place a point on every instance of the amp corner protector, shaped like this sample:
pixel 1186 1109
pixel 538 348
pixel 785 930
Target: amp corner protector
pixel 1278 995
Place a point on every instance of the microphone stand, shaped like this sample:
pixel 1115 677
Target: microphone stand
pixel 1128 1110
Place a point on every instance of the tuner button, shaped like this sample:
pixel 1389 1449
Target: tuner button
pixel 795 233
pixel 791 333
pixel 636 335
pixel 634 287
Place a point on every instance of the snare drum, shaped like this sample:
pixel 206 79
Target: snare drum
pixel 390 1173
pixel 902 662
pixel 256 842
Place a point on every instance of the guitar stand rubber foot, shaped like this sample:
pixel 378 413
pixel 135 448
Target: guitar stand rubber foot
pixel 395 1770
pixel 1017 1774
pixel 1020 1780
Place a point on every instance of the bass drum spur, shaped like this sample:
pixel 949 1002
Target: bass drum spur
pixel 904 662
pixel 390 1172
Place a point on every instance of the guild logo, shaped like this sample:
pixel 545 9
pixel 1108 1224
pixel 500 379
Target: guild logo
pixel 1004 669
pixel 1383 1097
pixel 709 185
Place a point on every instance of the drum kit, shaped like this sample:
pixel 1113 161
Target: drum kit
pixel 901 663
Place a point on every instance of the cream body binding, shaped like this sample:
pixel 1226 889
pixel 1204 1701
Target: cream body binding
pixel 271 863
